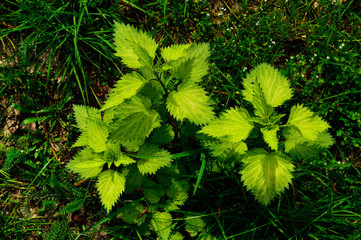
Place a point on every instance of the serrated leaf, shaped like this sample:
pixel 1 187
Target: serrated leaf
pixel 191 102
pixel 86 163
pixel 178 191
pixel 224 148
pixel 130 214
pixel 301 148
pixel 110 185
pixel 135 47
pixel 234 124
pixel 163 134
pixel 162 224
pixel 270 136
pixel 195 65
pixel 97 133
pixel 83 113
pixel 152 159
pixel 174 52
pixel 275 87
pixel 128 86
pixel 266 174
pixel 309 124
pixel 194 225
pixel 123 159
pixel 176 236
pixel 81 141
pixel 153 191
pixel 135 120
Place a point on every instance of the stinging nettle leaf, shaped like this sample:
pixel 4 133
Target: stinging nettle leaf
pixel 234 124
pixel 135 120
pixel 309 124
pixel 152 159
pixel 174 52
pixel 194 65
pixel 97 133
pixel 110 185
pixel 191 102
pixel 83 113
pixel 86 163
pixel 270 136
pixel 266 174
pixel 162 224
pixel 135 47
pixel 128 86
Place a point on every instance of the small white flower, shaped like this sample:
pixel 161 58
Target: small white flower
pixel 328 57
pixel 315 54
pixel 339 162
pixel 208 14
pixel 317 76
pixel 302 75
pixel 291 57
pixel 257 23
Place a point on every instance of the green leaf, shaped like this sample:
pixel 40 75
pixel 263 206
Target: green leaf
pixel 97 133
pixel 163 134
pixel 135 47
pixel 162 224
pixel 128 86
pixel 190 101
pixel 130 214
pixel 309 124
pixel 301 148
pixel 135 120
pixel 266 174
pixel 134 178
pixel 193 225
pixel 83 113
pixel 195 65
pixel 234 124
pixel 275 87
pixel 176 236
pixel 81 141
pixel 270 136
pixel 86 163
pixel 153 191
pixel 152 159
pixel 177 191
pixel 174 52
pixel 224 148
pixel 110 185
pixel 124 160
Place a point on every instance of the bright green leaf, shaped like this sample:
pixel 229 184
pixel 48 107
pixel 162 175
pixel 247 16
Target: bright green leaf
pixel 110 185
pixel 86 163
pixel 128 86
pixel 135 47
pixel 83 113
pixel 270 136
pixel 234 124
pixel 174 52
pixel 152 159
pixel 266 174
pixel 275 87
pixel 135 120
pixel 191 102
pixel 176 236
pixel 97 133
pixel 309 124
pixel 124 160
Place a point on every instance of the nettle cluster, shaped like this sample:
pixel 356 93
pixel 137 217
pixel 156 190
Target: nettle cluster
pixel 155 109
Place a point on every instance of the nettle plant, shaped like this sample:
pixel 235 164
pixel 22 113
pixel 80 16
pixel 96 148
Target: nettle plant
pixel 134 143
pixel 267 171
pixel 154 109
